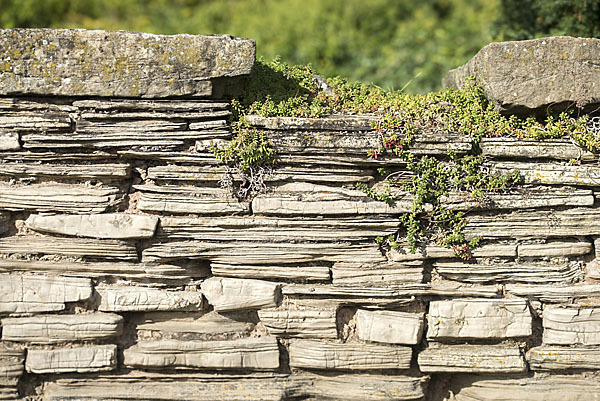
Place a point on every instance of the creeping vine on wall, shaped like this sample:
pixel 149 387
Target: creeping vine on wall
pixel 277 89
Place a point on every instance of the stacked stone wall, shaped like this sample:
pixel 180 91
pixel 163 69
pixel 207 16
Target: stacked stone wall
pixel 128 273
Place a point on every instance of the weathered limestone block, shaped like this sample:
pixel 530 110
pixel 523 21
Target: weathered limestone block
pixel 11 369
pixel 249 228
pixel 510 272
pixel 226 294
pixel 262 253
pixel 553 293
pixel 32 294
pixel 16 119
pixel 333 356
pixel 152 108
pixel 571 325
pixel 287 321
pixel 91 358
pixel 187 173
pixel 377 274
pixel 344 134
pixel 521 198
pixel 138 272
pixel 513 74
pixel 562 358
pixel 389 326
pixel 116 298
pixel 75 171
pixel 9 141
pixel 305 199
pixel 555 248
pixel 189 200
pixel 479 318
pixel 366 387
pixel 290 272
pixel 59 198
pixel 211 323
pixel 560 149
pixel 177 387
pixel 81 247
pixel 323 174
pixel 109 225
pixel 472 358
pixel 535 224
pixel 260 353
pixel 118 63
pixel 483 251
pixel 552 174
pixel 528 388
pixel 51 329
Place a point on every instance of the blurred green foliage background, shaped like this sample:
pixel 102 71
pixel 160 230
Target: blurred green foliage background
pixel 391 43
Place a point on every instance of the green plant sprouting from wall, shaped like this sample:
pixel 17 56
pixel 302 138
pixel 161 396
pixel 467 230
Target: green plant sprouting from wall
pixel 276 89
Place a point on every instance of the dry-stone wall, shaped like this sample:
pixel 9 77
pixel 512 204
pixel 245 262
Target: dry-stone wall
pixel 127 273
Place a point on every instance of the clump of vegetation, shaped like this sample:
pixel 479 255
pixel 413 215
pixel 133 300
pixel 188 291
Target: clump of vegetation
pixel 276 89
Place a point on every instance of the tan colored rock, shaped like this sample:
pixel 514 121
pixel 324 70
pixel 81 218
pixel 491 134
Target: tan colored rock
pixel 555 248
pixel 68 171
pixel 260 353
pixel 291 272
pixel 377 274
pixel 119 63
pixel 11 369
pixel 479 318
pixel 115 298
pixel 226 294
pixel 9 141
pixel 561 358
pixel 33 294
pixel 59 198
pixel 51 329
pixel 472 358
pixel 559 149
pixel 334 356
pixel 389 326
pixel 571 325
pixel 304 199
pixel 211 323
pixel 92 358
pixel 554 293
pixel 108 225
pixel 366 387
pixel 551 174
pixel 300 323
pixel 527 388
pixel 510 272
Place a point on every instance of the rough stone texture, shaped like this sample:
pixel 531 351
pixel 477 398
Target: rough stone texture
pixel 472 358
pixel 251 353
pixel 211 323
pixel 367 387
pixel 119 64
pixel 549 358
pixel 553 174
pixel 300 323
pixel 95 358
pixel 559 149
pixel 555 248
pixel 11 369
pixel 570 326
pixel 108 225
pixel 33 294
pixel 535 74
pixel 139 299
pixel 9 141
pixel 532 388
pixel 389 326
pixel 4 222
pixel 226 294
pixel 332 356
pixel 479 318
pixel 51 329
pixel 74 171
pixel 377 274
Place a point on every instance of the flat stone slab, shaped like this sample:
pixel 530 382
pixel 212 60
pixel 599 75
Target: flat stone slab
pixel 334 356
pixel 260 353
pixel 52 329
pixel 389 326
pixel 571 325
pixel 300 323
pixel 31 293
pixel 226 294
pixel 108 225
pixel 115 298
pixel 534 74
pixel 561 358
pixel 479 318
pixel 94 358
pixel 68 62
pixel 472 358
